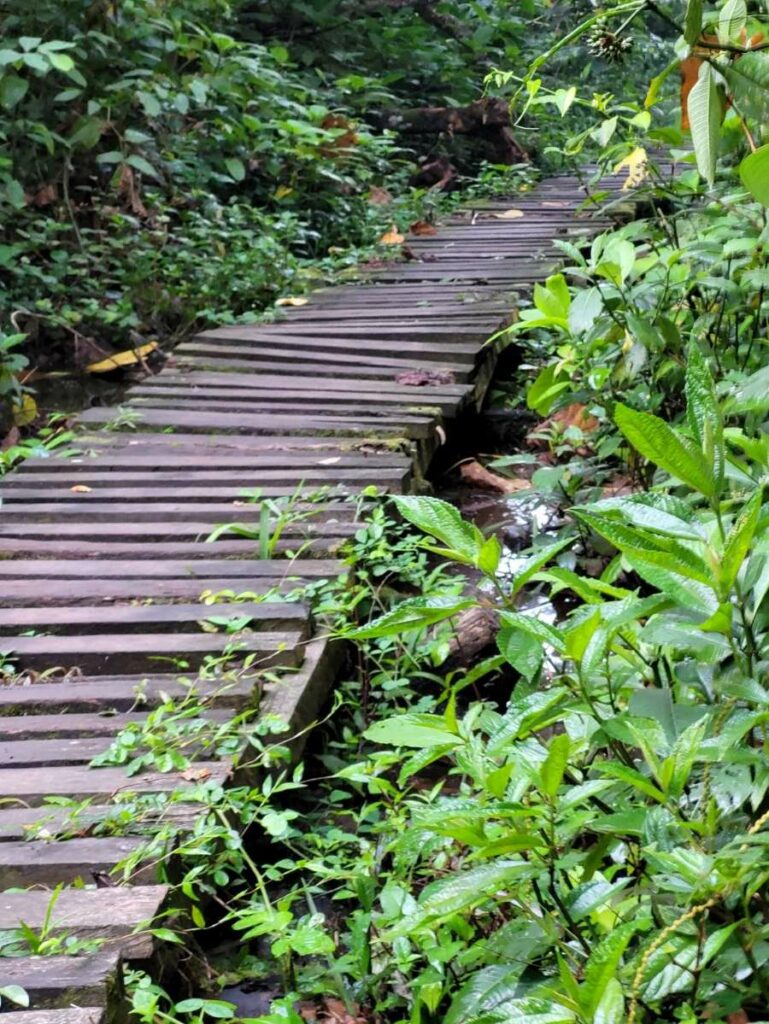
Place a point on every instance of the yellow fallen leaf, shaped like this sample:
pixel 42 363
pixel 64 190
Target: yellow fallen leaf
pixel 282 191
pixel 25 411
pixel 510 215
pixel 80 489
pixel 292 300
pixel 129 357
pixel 637 164
pixel 392 237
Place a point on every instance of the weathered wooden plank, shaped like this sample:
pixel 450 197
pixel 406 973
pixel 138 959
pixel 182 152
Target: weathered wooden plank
pixel 224 363
pixel 137 652
pixel 70 1015
pixel 245 570
pixel 49 821
pixel 67 591
pixel 75 694
pixel 107 723
pixel 277 617
pixel 61 981
pixel 39 862
pixel 34 785
pixel 212 513
pixel 85 473
pixel 395 426
pixel 306 545
pixel 108 913
pixel 191 535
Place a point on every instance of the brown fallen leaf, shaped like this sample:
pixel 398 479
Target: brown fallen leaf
pixel 379 196
pixel 422 227
pixel 422 378
pixel 80 489
pixel 392 237
pixel 738 1017
pixel 575 415
pixel 619 487
pixel 478 476
pixel 195 774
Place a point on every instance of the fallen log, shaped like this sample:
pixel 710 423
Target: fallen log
pixel 487 119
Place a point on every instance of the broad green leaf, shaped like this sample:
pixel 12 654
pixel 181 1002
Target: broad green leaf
pixel 416 613
pixel 537 560
pixel 738 542
pixel 659 443
pixel 705 115
pixel 534 627
pixel 142 165
pixel 545 389
pixel 754 171
pixel 731 20
pixel 685 753
pixel 633 778
pixel 603 963
pixel 586 897
pixel 611 1009
pixel 693 24
pixel 688 593
pixel 413 730
pixel 15 993
pixel 466 888
pixel 554 765
pixel 701 403
pixel 489 556
pixel 657 82
pixel 13 89
pixel 522 651
pixel 748 81
pixel 442 521
pixel 235 168
pixel 61 61
pixel 554 299
pixel 659 550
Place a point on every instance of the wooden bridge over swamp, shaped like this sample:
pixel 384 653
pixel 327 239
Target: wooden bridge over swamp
pixel 103 557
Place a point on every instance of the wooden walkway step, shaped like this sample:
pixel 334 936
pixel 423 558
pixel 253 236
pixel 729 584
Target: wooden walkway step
pixel 104 559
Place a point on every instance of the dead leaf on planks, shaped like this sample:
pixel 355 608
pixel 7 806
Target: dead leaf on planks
pixel 80 489
pixel 130 357
pixel 510 215
pixel 292 300
pixel 392 237
pixel 422 227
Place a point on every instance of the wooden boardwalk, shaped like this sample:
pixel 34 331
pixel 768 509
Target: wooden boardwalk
pixel 103 557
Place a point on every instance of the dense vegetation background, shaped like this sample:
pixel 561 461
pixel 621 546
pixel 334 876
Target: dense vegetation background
pixel 172 163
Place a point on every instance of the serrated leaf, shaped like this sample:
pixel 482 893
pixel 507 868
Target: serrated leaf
pixel 442 521
pixel 413 730
pixel 418 613
pixel 553 767
pixel 659 443
pixel 738 542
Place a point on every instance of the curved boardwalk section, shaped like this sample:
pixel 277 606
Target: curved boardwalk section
pixel 103 556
